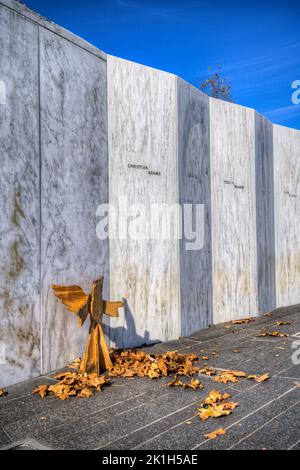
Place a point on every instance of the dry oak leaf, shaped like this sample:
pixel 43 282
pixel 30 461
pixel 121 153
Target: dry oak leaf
pixel 2 392
pixel 215 405
pixel 267 314
pixel 162 367
pixel 195 384
pixel 61 391
pixel 243 320
pixel 41 390
pixel 154 371
pixel 216 433
pixel 95 380
pixel 279 323
pixel 229 376
pixel 259 378
pixel 175 383
pixel 216 410
pixel 216 397
pixel 85 393
pixel 207 371
pixel 274 333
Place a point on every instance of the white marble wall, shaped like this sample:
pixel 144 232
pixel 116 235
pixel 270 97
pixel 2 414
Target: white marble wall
pixel 19 201
pixel 74 175
pixel 142 130
pixel 194 188
pixel 234 247
pixel 61 157
pixel 286 143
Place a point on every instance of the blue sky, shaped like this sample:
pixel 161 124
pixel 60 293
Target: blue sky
pixel 257 43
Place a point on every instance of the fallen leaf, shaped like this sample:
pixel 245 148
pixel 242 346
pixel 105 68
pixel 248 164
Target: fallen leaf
pixel 267 314
pixel 229 376
pixel 205 358
pixel 85 393
pixel 154 371
pixel 279 323
pixel 62 391
pixel 216 397
pixel 2 392
pixel 215 406
pixel 259 378
pixel 162 367
pixel 274 333
pixel 236 351
pixel 175 383
pixel 205 413
pixel 195 384
pixel 244 320
pixel 238 373
pixel 207 371
pixel 216 433
pixel 42 390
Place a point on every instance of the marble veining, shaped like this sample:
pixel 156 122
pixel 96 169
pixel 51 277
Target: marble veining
pixel 19 201
pixel 74 182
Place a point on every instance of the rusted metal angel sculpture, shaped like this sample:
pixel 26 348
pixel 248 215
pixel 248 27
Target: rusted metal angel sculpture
pixel 96 357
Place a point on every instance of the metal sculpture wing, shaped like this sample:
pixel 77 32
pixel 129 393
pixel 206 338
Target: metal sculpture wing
pixel 75 299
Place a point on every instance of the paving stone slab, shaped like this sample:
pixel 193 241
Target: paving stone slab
pixel 4 439
pixel 271 436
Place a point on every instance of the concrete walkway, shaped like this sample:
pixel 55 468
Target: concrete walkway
pixel 146 414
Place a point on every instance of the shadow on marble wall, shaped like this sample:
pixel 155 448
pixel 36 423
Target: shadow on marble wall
pixel 127 333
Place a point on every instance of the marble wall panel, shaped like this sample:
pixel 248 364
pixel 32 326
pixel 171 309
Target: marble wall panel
pixel 194 188
pixel 142 130
pixel 286 144
pixel 74 175
pixel 19 200
pixel 234 252
pixel 265 230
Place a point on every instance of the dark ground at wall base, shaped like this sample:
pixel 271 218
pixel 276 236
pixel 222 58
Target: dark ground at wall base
pixel 146 414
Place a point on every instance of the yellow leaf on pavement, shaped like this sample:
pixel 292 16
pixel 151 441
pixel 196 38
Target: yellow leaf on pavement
pixel 216 433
